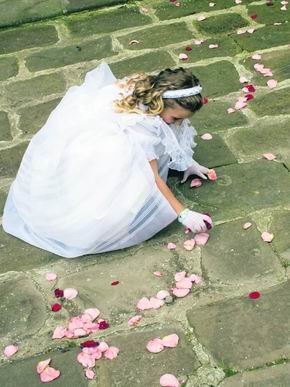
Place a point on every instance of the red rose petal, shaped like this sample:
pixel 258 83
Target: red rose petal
pixel 249 97
pixel 253 17
pixel 254 295
pixel 55 307
pixel 188 48
pixel 204 100
pixel 90 344
pixel 115 283
pixel 251 88
pixel 104 324
pixel 58 293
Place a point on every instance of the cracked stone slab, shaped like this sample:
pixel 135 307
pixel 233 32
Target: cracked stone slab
pixel 22 307
pixel 263 105
pixel 221 24
pixel 5 133
pixel 237 256
pixel 280 225
pixel 180 361
pixel 243 333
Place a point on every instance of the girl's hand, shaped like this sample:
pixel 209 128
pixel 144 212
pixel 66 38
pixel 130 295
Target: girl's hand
pixel 195 221
pixel 195 169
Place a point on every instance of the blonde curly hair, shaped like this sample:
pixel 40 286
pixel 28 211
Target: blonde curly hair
pixel 147 90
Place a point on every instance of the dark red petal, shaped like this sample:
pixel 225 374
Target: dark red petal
pixel 253 17
pixel 249 97
pixel 250 88
pixel 188 48
pixel 204 100
pixel 90 344
pixel 254 295
pixel 115 283
pixel 55 307
pixel 58 293
pixel 104 324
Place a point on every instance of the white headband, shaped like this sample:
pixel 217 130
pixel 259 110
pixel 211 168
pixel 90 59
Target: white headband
pixel 182 92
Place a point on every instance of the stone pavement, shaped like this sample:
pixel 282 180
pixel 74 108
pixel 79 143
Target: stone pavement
pixel 226 338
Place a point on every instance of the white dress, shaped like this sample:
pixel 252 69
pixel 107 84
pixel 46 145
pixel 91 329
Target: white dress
pixel 85 185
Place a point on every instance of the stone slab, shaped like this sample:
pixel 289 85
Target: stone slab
pixel 264 106
pixel 5 133
pixel 148 63
pixel 218 78
pixel 76 5
pixel 179 361
pixel 17 39
pixel 226 47
pixel 213 117
pixel 105 22
pixel 34 117
pixel 8 68
pixel 23 373
pixel 266 136
pixel 213 153
pixel 242 332
pixel 63 56
pixel 238 191
pixel 221 24
pixel 156 37
pixel 268 14
pixel 238 256
pixel 277 375
pixel 22 307
pixel 34 88
pixel 262 38
pixel 16 255
pixel 2 200
pixel 10 159
pixel 279 224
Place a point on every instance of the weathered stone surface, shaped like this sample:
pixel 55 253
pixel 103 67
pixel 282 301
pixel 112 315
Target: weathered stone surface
pixel 242 332
pixel 22 306
pixel 179 361
pixel 158 36
pixel 221 24
pixel 105 22
pixel 16 255
pixel 76 5
pixel 5 133
pixel 268 15
pixel 18 39
pixel 148 63
pixel 267 136
pixel 213 153
pixel 213 117
pixel 280 223
pixel 35 88
pixel 227 47
pixel 8 68
pixel 235 255
pixel 2 201
pixel 218 78
pixel 23 373
pixel 34 117
pixel 10 159
pixel 277 375
pixel 135 274
pixel 264 105
pixel 277 61
pixel 63 56
pixel 269 36
pixel 238 190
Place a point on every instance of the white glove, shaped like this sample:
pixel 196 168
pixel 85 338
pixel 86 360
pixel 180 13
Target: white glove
pixel 195 221
pixel 195 169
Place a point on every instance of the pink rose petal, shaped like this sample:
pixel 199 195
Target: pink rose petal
pixel 243 80
pixel 10 350
pixel 170 341
pixel 251 30
pixel 90 374
pixel 183 56
pixel 70 293
pixel 155 303
pixel 180 275
pixel 269 156
pixel 238 1
pixel 201 238
pixel 157 273
pixel 195 278
pixel 103 346
pixel 134 320
pixel 185 283
pixel 272 83
pixel 189 244
pixel 212 175
pixel 211 4
pixel 42 365
pixel 59 332
pixel 213 46
pixel 93 312
pixel 206 136
pixel 267 237
pixel 86 360
pixel 240 105
pixel 230 110
pixel 247 225
pixel 144 304
pixel 155 346
pixel 162 294
pixel 256 56
pixel 111 353
pixel 198 42
pixel 171 246
pixel 169 380
pixel 180 292
pixel 51 276
pixel 195 183
pixel 49 374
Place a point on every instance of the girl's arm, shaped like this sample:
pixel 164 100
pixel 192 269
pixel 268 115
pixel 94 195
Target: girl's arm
pixel 175 204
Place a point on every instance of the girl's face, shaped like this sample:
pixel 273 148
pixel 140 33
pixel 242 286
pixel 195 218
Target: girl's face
pixel 176 114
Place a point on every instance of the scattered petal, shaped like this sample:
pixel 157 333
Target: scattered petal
pixel 206 136
pixel 238 1
pixel 111 353
pixel 42 365
pixel 155 346
pixel 134 320
pixel 55 307
pixel 183 56
pixel 195 278
pixel 201 238
pixel 272 83
pixel 230 110
pixel 188 48
pixel 162 294
pixel 201 18
pixel 180 292
pixel 104 325
pixel 51 276
pixel 133 42
pixel 103 347
pixel 180 275
pixel 249 88
pixel 247 225
pixel 211 4
pixel 170 341
pixel 212 174
pixel 204 100
pixel 93 312
pixel 171 246
pixel 189 244
pixel 240 105
pixel 284 8
pixel 157 273
pixel 249 97
pixel 195 183
pixel 155 303
pixel 256 56
pixel 90 344
pixel 269 156
pixel 49 374
pixel 253 17
pixel 10 350
pixel 59 332
pixel 254 295
pixel 144 304
pixel 114 283
pixel 198 42
pixel 251 30
pixel 267 237
pixel 90 374
pixel 241 31
pixel 213 46
pixel 169 380
pixel 244 80
pixel 86 360
pixel 70 293
pixel 58 293
pixel 185 283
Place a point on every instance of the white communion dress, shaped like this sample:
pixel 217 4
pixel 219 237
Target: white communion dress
pixel 85 185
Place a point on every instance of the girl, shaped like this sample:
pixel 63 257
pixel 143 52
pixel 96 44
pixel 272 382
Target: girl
pixel 93 179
